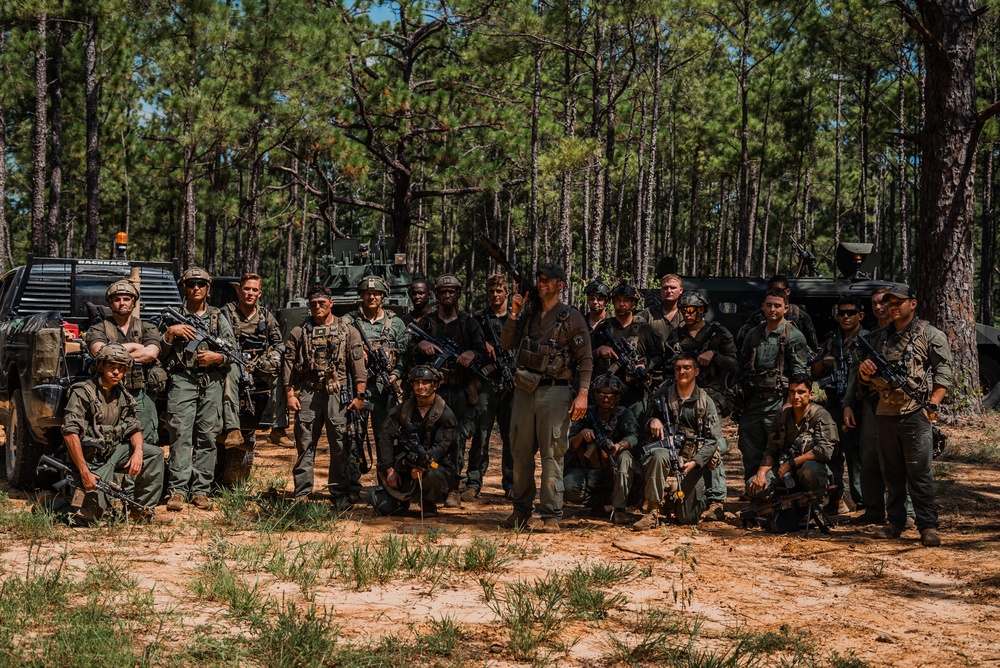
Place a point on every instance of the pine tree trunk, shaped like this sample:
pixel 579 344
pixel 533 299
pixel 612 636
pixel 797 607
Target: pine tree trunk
pixel 5 254
pixel 987 260
pixel 93 142
pixel 56 142
pixel 904 223
pixel 837 150
pixel 38 220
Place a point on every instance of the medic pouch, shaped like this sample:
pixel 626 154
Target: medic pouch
pixel 156 379
pixel 527 381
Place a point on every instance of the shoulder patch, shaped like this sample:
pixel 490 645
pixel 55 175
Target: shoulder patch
pixel 578 340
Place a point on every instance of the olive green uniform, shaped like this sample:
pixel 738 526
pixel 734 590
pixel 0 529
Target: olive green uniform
pixel 596 481
pixel 135 380
pixel 437 431
pixel 387 333
pixel 816 433
pixel 795 315
pixel 695 417
pixel 259 340
pixel 552 349
pixel 649 351
pixel 661 324
pixel 767 361
pixel 494 407
pixel 905 439
pixel 105 423
pixel 317 361
pixel 194 406
pixel 716 379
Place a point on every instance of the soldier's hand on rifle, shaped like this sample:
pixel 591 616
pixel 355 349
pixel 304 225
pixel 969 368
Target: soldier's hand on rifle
pixel 491 351
pixel 758 482
pixel 706 357
pixel 88 480
pixel 605 352
pixel 186 332
pixel 849 420
pixel 416 472
pixel 392 478
pixel 517 303
pixel 466 358
pixel 357 404
pixel 587 435
pixel 208 358
pixel 867 369
pixel 689 466
pixel 428 348
pixel 656 428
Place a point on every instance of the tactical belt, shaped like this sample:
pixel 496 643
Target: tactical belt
pixel 316 386
pixel 555 381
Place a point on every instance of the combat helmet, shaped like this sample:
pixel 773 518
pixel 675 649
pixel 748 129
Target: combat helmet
pixel 121 288
pixel 598 287
pixel 372 282
pixel 608 382
pixel 425 372
pixel 113 352
pixel 448 281
pixel 196 273
pixel 692 298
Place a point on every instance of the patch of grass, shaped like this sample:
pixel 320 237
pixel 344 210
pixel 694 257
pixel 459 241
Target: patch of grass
pixel 654 637
pixel 216 582
pixel 213 648
pixel 532 613
pixel 242 509
pixel 33 524
pixel 442 637
pixel 109 573
pixel 785 639
pixel 850 660
pixel 483 555
pixel 293 639
pixel 366 563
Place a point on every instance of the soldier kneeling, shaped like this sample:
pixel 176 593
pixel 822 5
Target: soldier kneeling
pixel 102 436
pixel 416 449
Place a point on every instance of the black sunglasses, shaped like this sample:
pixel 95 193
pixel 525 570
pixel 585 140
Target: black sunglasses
pixel 196 284
pixel 847 313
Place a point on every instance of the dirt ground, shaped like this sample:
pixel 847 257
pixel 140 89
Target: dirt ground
pixel 890 603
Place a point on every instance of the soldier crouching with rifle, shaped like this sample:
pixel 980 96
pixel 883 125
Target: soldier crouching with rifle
pixel 599 467
pixel 800 444
pixel 414 449
pixel 102 435
pixel 685 431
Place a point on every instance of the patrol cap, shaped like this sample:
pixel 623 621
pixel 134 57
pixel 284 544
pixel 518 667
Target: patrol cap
pixel 425 372
pixel 447 281
pixel 692 298
pixel 372 283
pixel 552 270
pixel 196 273
pixel 114 352
pixel 608 382
pixel 625 290
pixel 121 288
pixel 597 287
pixel 901 291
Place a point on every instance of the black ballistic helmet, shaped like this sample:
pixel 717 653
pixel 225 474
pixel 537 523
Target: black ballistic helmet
pixel 598 287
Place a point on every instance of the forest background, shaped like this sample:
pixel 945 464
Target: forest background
pixel 247 135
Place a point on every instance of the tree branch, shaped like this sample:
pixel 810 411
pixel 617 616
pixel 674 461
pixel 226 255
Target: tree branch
pixel 929 40
pixel 444 192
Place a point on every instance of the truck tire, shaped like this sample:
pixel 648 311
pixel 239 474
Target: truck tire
pixel 21 452
pixel 989 378
pixel 233 466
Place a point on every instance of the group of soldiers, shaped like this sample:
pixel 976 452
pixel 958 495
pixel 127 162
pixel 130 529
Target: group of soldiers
pixel 623 407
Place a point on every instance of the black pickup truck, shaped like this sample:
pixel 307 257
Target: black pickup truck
pixel 45 307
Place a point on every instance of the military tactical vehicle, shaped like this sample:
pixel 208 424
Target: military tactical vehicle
pixel 734 300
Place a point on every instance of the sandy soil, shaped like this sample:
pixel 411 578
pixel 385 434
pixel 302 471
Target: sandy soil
pixel 892 603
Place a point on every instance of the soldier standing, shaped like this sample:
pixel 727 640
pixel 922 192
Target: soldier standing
pixel 795 315
pixel 553 344
pixel 258 337
pixel 696 430
pixel 774 351
pixel 905 435
pixel 665 317
pixel 627 329
pixel 801 441
pixel 319 355
pixel 832 368
pixel 102 435
pixel 420 294
pixel 414 449
pixel 599 466
pixel 384 331
pixel 194 401
pixel 494 402
pixel 458 388
pixel 142 342
pixel 717 363
pixel 598 293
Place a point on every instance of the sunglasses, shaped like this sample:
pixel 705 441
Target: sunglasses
pixel 846 314
pixel 689 309
pixel 447 291
pixel 196 284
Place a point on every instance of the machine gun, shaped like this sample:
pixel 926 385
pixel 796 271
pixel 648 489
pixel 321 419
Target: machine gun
pixel 896 377
pixel 602 437
pixel 71 478
pixel 378 364
pixel 779 510
pixel 503 366
pixel 357 426
pixel 672 442
pixel 838 379
pixel 172 316
pixel 414 454
pixel 449 353
pixel 628 359
pixel 807 260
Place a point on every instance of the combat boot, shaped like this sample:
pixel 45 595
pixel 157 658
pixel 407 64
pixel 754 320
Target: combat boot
pixel 516 522
pixel 280 438
pixel 176 502
pixel 454 500
pixel 549 526
pixel 650 520
pixel 929 537
pixel 470 494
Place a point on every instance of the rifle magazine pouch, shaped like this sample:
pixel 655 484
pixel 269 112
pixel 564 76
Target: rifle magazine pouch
pixel 156 379
pixel 527 381
pixel 530 356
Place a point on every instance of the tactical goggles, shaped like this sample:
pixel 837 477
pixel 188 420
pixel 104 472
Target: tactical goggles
pixel 196 283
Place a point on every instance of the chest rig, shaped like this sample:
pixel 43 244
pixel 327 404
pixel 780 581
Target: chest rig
pixel 324 350
pixel 548 358
pixel 769 379
pixel 135 379
pixel 105 437
pixel 904 359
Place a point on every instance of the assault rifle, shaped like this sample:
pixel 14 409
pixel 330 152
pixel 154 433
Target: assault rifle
pixel 766 509
pixel 602 437
pixel 49 464
pixel 896 377
pixel 357 425
pixel 449 353
pixel 378 363
pixel 838 379
pixel 522 284
pixel 628 359
pixel 414 454
pixel 216 343
pixel 503 366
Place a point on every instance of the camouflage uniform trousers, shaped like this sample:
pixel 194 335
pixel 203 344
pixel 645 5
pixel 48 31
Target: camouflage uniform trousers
pixel 320 409
pixel 457 399
pixel 147 487
pixel 145 412
pixel 905 451
pixel 494 407
pixel 617 485
pixel 848 453
pixel 231 407
pixel 755 426
pixel 540 424
pixel 194 423
pixel 660 488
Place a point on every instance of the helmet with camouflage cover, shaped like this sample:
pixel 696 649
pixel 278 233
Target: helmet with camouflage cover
pixel 608 382
pixel 115 353
pixel 425 372
pixel 625 290
pixel 597 287
pixel 448 281
pixel 376 283
pixel 196 273
pixel 121 288
pixel 692 298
